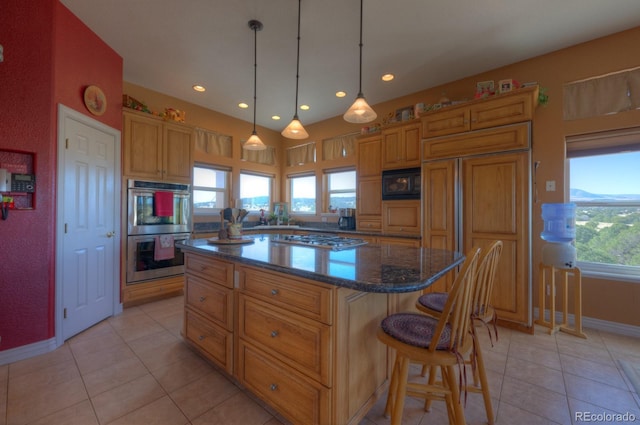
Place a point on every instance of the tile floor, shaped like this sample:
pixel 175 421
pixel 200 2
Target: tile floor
pixel 133 369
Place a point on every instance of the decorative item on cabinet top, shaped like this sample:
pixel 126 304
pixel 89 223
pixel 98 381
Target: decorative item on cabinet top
pixel 169 114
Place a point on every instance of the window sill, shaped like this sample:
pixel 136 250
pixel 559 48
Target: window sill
pixel 610 272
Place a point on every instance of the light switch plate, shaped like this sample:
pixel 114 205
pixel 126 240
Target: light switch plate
pixel 551 186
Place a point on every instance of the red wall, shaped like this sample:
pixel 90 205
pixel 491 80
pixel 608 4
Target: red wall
pixel 49 57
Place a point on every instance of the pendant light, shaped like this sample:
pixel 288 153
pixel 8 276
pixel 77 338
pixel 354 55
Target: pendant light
pixel 295 130
pixel 360 112
pixel 254 143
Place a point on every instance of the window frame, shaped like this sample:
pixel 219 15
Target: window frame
pixel 326 192
pixel 290 179
pixel 598 144
pixel 226 191
pixel 272 180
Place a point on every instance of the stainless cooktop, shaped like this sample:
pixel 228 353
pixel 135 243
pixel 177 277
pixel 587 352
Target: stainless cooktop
pixel 320 241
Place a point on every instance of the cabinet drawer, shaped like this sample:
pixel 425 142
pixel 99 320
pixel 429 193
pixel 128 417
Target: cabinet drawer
pixel 214 342
pixel 214 301
pixel 301 343
pixel 210 268
pixel 373 225
pixel 297 295
pixel 298 398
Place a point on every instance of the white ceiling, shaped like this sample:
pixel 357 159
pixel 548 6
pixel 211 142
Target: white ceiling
pixel 170 45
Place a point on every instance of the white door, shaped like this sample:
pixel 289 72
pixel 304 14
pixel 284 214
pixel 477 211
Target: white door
pixel 88 206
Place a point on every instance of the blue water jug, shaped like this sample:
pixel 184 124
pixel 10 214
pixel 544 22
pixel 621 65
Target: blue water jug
pixel 559 222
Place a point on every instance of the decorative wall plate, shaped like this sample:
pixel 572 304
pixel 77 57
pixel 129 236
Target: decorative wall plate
pixel 95 100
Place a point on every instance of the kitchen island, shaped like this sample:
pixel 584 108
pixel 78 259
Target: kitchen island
pixel 296 324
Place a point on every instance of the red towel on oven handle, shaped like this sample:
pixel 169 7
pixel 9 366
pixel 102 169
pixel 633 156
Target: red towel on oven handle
pixel 163 204
pixel 164 248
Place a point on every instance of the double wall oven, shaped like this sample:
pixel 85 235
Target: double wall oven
pixel 158 216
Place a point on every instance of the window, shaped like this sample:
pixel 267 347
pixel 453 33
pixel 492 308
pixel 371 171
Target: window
pixel 605 186
pixel 303 194
pixel 210 189
pixel 341 189
pixel 255 191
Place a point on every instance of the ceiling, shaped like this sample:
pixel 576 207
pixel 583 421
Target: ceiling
pixel 168 46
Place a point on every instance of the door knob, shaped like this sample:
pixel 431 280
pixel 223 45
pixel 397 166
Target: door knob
pixel 111 234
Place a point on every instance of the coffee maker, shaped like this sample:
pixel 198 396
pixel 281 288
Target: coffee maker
pixel 347 220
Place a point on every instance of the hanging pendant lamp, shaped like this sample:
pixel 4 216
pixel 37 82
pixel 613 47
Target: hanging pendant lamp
pixel 295 130
pixel 360 112
pixel 254 143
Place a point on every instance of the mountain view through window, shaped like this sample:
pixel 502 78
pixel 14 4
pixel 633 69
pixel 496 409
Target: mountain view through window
pixel 606 190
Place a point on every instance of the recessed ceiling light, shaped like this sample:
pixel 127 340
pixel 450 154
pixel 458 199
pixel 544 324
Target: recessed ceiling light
pixel 275 117
pixel 199 88
pixel 388 77
pixel 243 105
pixel 340 94
pixel 304 107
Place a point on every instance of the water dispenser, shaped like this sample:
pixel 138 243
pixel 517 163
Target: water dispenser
pixel 559 232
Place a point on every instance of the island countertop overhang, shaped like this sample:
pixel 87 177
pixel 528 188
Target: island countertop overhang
pixel 382 268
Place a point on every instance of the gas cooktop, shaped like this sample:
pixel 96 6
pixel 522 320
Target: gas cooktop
pixel 320 241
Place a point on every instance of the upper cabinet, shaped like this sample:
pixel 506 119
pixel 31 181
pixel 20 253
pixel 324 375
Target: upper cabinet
pixel 509 108
pixel 369 184
pixel 401 146
pixel 370 156
pixel 157 150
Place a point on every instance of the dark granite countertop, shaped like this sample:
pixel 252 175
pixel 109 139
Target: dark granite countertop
pixel 384 268
pixel 255 229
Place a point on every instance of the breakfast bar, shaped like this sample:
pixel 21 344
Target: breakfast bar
pixel 295 322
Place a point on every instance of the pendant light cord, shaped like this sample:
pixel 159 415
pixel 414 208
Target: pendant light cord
pixel 255 72
pixel 360 80
pixel 295 112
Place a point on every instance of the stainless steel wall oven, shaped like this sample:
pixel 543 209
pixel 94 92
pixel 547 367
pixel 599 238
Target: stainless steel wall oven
pixel 158 216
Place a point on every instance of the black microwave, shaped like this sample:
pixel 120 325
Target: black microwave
pixel 401 184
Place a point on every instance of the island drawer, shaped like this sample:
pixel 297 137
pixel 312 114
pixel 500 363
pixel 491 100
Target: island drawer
pixel 301 343
pixel 299 295
pixel 217 271
pixel 298 398
pixel 213 341
pixel 214 301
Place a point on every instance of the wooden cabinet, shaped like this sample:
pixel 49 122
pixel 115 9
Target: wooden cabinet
pixel 479 197
pixel 369 204
pixel 401 217
pixel 369 184
pixel 401 146
pixel 209 308
pixel 496 195
pixel 509 108
pixel 285 342
pixel 370 156
pixel 306 348
pixel 157 150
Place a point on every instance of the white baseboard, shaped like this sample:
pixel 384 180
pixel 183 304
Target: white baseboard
pixel 597 324
pixel 27 351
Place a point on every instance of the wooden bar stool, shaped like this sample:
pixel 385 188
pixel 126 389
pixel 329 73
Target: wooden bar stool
pixel 548 274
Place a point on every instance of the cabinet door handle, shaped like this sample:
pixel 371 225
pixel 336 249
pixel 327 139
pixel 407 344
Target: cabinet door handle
pixel 201 338
pixel 274 292
pixel 273 387
pixel 274 334
pixel 202 299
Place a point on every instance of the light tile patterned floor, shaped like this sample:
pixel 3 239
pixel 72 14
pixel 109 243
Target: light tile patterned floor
pixel 133 369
